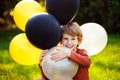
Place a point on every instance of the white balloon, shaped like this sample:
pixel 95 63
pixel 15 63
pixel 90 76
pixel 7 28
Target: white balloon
pixel 94 38
pixel 64 69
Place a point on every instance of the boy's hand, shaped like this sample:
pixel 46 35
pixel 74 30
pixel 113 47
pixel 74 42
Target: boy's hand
pixel 43 54
pixel 60 53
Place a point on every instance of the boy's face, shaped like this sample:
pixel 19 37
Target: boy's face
pixel 69 41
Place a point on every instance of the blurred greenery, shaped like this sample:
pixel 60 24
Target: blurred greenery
pixel 105 13
pixel 9 69
pixel 102 12
pixel 105 65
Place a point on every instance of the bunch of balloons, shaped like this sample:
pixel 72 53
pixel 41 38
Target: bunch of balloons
pixel 42 30
pixel 41 27
pixel 21 50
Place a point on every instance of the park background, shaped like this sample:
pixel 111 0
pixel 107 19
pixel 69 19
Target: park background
pixel 105 65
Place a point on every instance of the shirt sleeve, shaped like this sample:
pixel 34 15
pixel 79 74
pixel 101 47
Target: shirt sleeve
pixel 81 57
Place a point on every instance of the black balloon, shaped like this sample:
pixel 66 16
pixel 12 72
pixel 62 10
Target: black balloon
pixel 43 30
pixel 64 10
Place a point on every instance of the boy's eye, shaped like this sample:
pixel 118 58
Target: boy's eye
pixel 65 38
pixel 73 38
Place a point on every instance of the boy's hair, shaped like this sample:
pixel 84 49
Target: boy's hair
pixel 73 29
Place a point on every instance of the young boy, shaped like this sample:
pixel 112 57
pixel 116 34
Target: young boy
pixel 71 38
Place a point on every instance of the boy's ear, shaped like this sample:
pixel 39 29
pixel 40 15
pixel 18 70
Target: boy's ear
pixel 79 42
pixel 60 42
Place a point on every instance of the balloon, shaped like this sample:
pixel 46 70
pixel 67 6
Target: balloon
pixel 94 38
pixel 24 10
pixel 22 51
pixel 63 10
pixel 43 30
pixel 64 69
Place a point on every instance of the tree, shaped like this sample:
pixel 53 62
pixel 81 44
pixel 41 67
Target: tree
pixel 102 12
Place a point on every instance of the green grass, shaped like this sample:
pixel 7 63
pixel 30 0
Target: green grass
pixel 105 65
pixel 9 69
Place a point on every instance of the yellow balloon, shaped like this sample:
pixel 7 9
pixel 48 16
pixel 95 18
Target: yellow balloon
pixel 24 10
pixel 22 51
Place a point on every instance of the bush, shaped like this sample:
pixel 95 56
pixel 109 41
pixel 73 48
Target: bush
pixel 105 13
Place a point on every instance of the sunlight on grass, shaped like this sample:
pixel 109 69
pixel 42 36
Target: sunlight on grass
pixel 105 65
pixel 9 69
pixel 15 71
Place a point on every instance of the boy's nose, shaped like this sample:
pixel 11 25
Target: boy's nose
pixel 69 41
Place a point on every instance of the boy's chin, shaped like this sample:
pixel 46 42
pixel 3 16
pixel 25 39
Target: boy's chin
pixel 71 49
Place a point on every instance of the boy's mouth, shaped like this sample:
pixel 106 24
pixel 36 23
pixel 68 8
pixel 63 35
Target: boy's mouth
pixel 70 47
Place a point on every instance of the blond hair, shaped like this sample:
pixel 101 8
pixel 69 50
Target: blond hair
pixel 73 29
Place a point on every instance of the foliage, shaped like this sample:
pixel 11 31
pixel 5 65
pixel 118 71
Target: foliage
pixel 6 12
pixel 102 12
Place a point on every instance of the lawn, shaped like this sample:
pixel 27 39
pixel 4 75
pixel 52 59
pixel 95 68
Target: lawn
pixel 105 65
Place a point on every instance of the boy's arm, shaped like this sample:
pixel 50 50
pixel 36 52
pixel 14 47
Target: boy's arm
pixel 81 58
